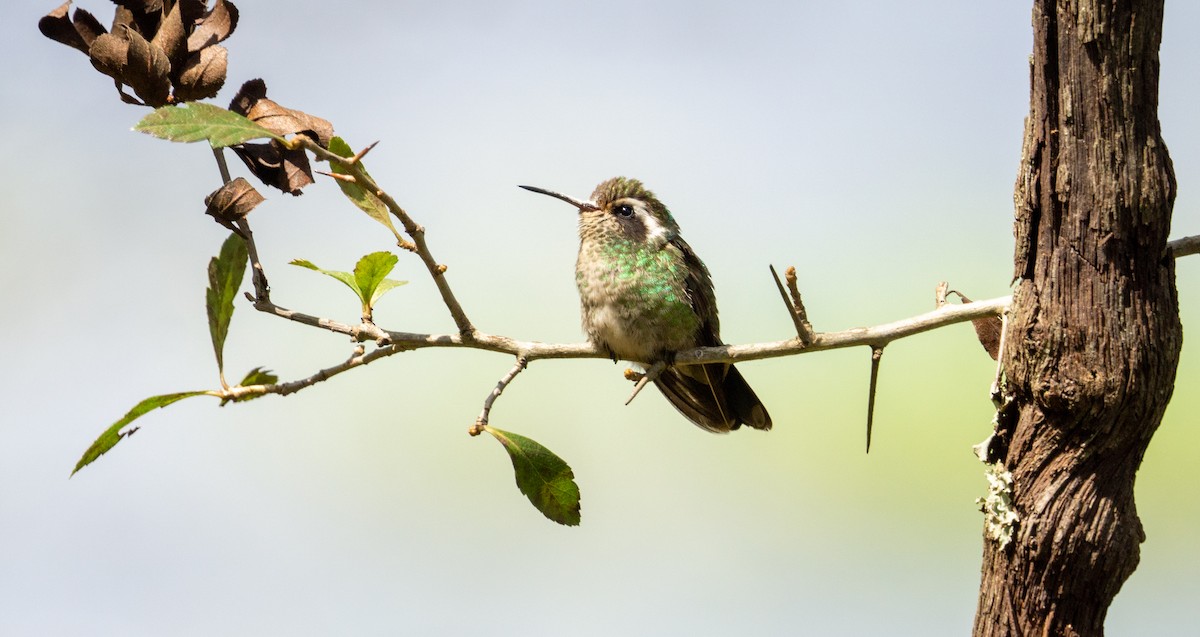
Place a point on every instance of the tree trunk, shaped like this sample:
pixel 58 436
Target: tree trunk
pixel 1093 339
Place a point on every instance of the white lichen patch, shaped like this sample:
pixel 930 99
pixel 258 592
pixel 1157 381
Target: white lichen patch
pixel 999 517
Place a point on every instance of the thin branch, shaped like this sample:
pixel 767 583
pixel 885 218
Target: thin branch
pixel 414 230
pixel 535 350
pixel 283 389
pixel 1185 246
pixel 219 154
pixel 482 420
pixel 879 335
pixel 797 302
pixel 262 290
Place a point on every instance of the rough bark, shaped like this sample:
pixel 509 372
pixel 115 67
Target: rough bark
pixel 1094 336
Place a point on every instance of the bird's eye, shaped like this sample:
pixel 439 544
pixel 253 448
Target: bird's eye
pixel 623 210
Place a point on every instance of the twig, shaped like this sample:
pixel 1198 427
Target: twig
pixel 262 290
pixel 797 302
pixel 414 230
pixel 803 332
pixel 482 420
pixel 283 389
pixel 219 154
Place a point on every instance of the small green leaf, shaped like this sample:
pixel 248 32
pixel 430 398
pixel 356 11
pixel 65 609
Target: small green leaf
pixel 543 477
pixel 370 273
pixel 367 281
pixel 198 121
pixel 344 277
pixel 385 286
pixel 113 434
pixel 224 278
pixel 256 376
pixel 364 199
pixel 259 376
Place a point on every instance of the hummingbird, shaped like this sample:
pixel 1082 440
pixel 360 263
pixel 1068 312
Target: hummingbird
pixel 644 295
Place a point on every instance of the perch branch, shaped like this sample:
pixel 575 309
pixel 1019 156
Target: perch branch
pixel 1185 246
pixel 535 350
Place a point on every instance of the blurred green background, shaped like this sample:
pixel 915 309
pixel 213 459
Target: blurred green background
pixel 874 146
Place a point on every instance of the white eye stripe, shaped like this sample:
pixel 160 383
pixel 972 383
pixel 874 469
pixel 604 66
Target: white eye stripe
pixel 656 233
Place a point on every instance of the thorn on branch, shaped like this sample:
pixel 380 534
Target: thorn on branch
pixel 360 154
pixel 350 179
pixel 876 356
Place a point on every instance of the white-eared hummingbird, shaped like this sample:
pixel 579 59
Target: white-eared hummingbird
pixel 646 295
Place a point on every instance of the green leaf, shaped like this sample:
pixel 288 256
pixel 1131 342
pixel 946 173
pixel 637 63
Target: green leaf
pixel 197 121
pixel 113 434
pixel 370 273
pixel 259 376
pixel 344 277
pixel 543 477
pixel 368 280
pixel 224 278
pixel 364 199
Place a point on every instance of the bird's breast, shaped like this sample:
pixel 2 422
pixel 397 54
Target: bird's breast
pixel 635 303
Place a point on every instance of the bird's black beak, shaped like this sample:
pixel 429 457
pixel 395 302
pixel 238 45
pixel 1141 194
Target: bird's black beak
pixel 583 206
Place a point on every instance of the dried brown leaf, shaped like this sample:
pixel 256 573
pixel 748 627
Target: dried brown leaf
pixel 109 54
pixel 142 16
pixel 276 166
pixel 123 18
pixel 987 330
pixel 250 92
pixel 57 26
pixel 215 26
pixel 192 10
pixel 140 6
pixel 147 70
pixel 88 26
pixel 285 121
pixel 232 202
pixel 251 101
pixel 171 37
pixel 204 74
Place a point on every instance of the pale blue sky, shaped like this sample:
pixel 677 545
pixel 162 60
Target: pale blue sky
pixel 872 145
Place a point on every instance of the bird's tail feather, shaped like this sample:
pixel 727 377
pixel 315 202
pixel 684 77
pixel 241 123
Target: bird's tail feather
pixel 715 397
